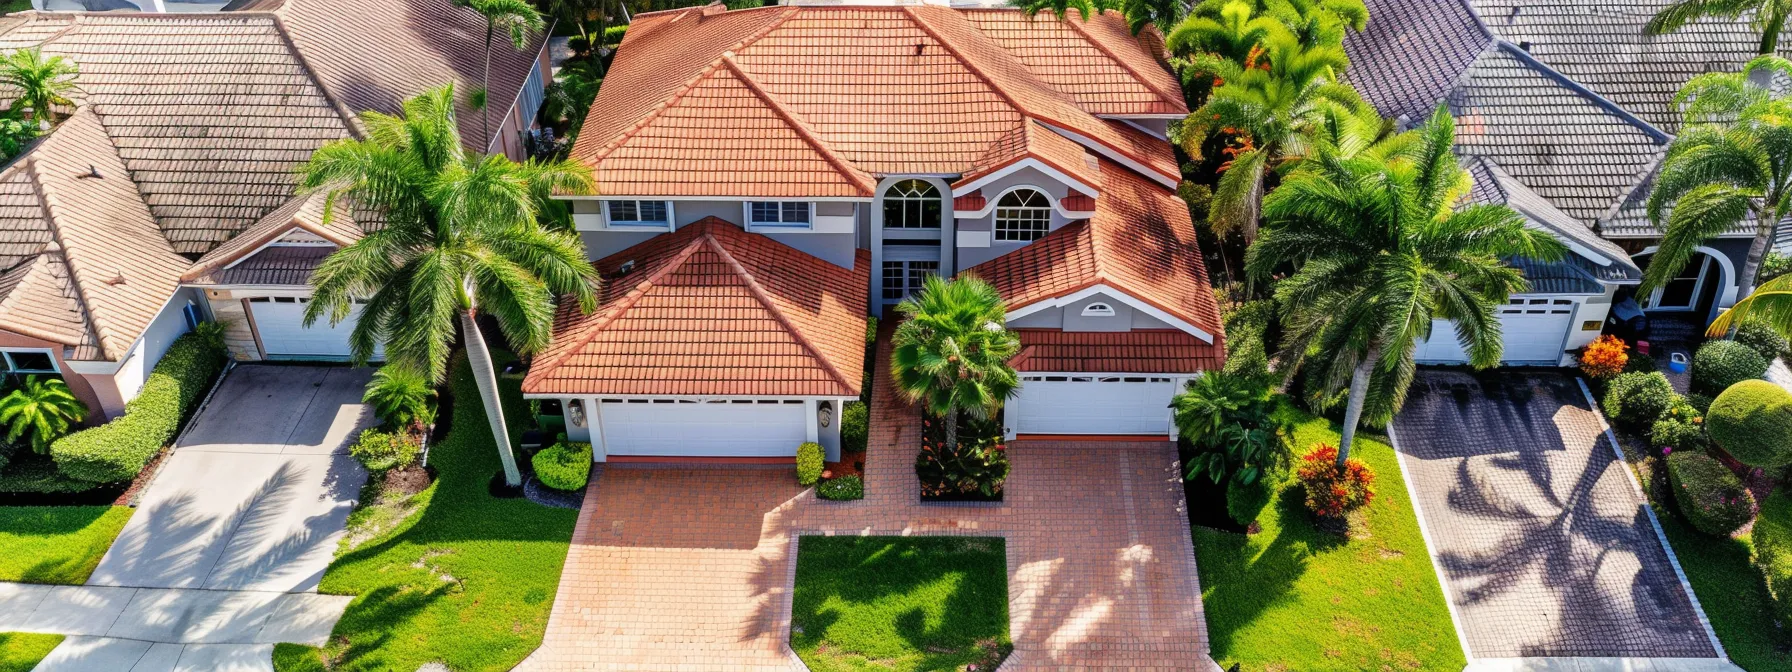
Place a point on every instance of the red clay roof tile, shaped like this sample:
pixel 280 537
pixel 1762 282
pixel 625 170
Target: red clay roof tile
pixel 1137 351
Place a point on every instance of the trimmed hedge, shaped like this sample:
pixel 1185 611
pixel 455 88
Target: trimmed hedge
pixel 563 466
pixel 1635 400
pixel 1773 551
pixel 1752 421
pixel 1681 428
pixel 809 463
pixel 1719 364
pixel 1763 340
pixel 855 427
pixel 842 488
pixel 117 450
pixel 1711 498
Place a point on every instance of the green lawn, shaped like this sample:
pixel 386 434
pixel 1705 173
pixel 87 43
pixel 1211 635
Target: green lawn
pixel 899 603
pixel 1294 598
pixel 20 651
pixel 467 580
pixel 8 7
pixel 1732 593
pixel 56 544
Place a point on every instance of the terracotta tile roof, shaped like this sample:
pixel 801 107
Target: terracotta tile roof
pixel 1033 140
pixel 1141 242
pixel 1138 351
pixel 711 309
pixel 887 89
pixel 304 212
pixel 1099 62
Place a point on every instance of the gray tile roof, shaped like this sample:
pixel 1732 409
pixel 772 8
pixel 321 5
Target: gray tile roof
pixel 1412 54
pixel 1569 276
pixel 276 265
pixel 1601 258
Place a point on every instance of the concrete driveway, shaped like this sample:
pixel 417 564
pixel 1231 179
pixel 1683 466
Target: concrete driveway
pixel 1545 542
pixel 256 494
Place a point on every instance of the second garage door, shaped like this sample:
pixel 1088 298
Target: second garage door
pixel 1064 404
pixel 1532 331
pixel 688 428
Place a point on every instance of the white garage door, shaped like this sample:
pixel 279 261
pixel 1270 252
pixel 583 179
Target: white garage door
pixel 1533 330
pixel 1066 404
pixel 280 321
pixel 666 427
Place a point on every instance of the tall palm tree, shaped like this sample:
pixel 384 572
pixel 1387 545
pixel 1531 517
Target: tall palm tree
pixel 461 238
pixel 42 408
pixel 1770 303
pixel 1767 17
pixel 951 352
pixel 41 83
pixel 518 18
pixel 1234 32
pixel 1379 250
pixel 1731 165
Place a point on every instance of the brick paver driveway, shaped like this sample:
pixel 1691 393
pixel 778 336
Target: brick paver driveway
pixel 691 568
pixel 1542 536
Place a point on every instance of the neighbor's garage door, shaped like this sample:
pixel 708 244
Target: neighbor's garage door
pixel 280 321
pixel 686 428
pixel 1093 405
pixel 1533 331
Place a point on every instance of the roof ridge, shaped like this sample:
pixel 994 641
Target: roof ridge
pixel 909 11
pixel 623 305
pixel 765 299
pixel 50 205
pixel 1105 51
pixel 796 123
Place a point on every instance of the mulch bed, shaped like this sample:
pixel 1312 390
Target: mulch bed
pixel 850 464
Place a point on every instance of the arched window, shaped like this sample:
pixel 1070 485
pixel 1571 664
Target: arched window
pixel 912 204
pixel 1023 215
pixel 1098 310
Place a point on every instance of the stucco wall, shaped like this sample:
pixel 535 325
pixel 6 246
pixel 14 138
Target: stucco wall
pixel 1071 318
pixel 839 249
pixel 167 326
pixel 1025 177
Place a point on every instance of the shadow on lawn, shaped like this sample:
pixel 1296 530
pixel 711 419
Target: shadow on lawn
pixel 1272 574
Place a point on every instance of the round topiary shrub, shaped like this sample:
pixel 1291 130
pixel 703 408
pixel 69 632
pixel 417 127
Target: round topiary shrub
pixel 1635 400
pixel 809 463
pixel 1763 340
pixel 1719 364
pixel 563 466
pixel 842 488
pixel 1752 421
pixel 1711 498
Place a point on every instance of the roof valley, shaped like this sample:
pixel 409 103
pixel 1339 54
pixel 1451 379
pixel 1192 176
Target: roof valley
pixel 100 327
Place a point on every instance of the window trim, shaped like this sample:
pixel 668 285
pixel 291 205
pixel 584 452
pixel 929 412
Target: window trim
pixel 996 207
pixel 1099 309
pixel 636 224
pixel 937 199
pixel 6 354
pixel 755 225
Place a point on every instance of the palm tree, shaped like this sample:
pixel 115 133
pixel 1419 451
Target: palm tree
pixel 41 83
pixel 1138 13
pixel 42 408
pixel 951 352
pixel 1234 33
pixel 1768 17
pixel 461 238
pixel 1731 165
pixel 1379 250
pixel 1771 303
pixel 1313 22
pixel 518 18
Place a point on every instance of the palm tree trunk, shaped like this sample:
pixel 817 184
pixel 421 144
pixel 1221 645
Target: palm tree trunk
pixel 1765 223
pixel 1353 405
pixel 481 360
pixel 486 86
pixel 951 420
pixel 1770 33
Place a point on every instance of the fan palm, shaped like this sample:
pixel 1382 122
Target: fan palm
pixel 1379 250
pixel 1771 303
pixel 41 83
pixel 518 19
pixel 951 353
pixel 402 397
pixel 1768 17
pixel 42 408
pixel 1731 165
pixel 461 238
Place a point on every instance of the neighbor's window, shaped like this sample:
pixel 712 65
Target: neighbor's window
pixel 639 213
pixel 769 213
pixel 912 204
pixel 1023 214
pixel 29 361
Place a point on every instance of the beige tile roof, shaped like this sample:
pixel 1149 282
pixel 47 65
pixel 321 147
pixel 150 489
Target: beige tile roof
pixel 305 212
pixel 39 299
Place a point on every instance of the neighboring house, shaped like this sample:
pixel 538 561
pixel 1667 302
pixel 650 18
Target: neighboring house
pixel 769 176
pixel 1564 109
pixel 168 198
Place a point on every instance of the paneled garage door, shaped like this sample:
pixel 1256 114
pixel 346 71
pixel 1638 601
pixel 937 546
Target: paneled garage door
pixel 1533 330
pixel 688 428
pixel 280 321
pixel 1063 404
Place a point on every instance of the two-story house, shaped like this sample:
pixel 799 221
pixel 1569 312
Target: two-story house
pixel 768 177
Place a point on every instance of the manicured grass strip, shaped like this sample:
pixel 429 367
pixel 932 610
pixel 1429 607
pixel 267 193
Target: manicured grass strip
pixel 899 603
pixel 56 544
pixel 1732 594
pixel 21 651
pixel 1294 598
pixel 467 580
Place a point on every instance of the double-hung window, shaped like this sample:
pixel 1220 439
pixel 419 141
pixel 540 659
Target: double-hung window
pixel 639 214
pixel 778 214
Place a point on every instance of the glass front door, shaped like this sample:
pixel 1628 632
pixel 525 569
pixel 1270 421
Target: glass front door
pixel 902 278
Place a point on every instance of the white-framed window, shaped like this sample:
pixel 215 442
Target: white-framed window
pixel 778 214
pixel 1098 310
pixel 1023 215
pixel 32 360
pixel 639 214
pixel 912 204
pixel 902 278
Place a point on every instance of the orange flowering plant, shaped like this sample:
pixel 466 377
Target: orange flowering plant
pixel 1334 490
pixel 1604 357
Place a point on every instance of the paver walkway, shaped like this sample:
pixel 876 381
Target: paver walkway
pixel 1543 537
pixel 692 568
pixel 222 558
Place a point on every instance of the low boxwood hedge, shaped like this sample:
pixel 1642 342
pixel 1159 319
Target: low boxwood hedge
pixel 1711 498
pixel 1635 400
pixel 843 488
pixel 1773 551
pixel 1719 364
pixel 117 450
pixel 1752 421
pixel 563 466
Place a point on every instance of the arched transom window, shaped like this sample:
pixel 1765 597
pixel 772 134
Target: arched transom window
pixel 1023 215
pixel 912 204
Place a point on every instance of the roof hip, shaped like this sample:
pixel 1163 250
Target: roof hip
pixel 764 299
pixel 866 186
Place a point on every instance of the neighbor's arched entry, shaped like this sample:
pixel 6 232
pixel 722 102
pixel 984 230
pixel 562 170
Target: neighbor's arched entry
pixel 1705 285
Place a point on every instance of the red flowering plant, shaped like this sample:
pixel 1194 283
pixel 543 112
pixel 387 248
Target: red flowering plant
pixel 1334 490
pixel 1604 357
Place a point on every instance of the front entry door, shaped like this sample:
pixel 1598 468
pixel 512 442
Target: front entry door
pixel 902 278
pixel 1682 292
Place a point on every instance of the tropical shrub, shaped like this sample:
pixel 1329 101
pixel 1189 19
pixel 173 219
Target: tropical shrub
pixel 117 450
pixel 381 450
pixel 1247 332
pixel 1699 402
pixel 1711 498
pixel 15 133
pixel 1719 364
pixel 809 462
pixel 1761 338
pixel 1604 357
pixel 1752 421
pixel 1634 400
pixel 843 488
pixel 212 332
pixel 1772 537
pixel 401 397
pixel 1641 361
pixel 855 427
pixel 1773 265
pixel 1226 417
pixel 43 410
pixel 1682 427
pixel 1333 489
pixel 563 466
pixel 977 465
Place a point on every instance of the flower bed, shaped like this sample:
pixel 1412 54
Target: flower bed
pixel 973 471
